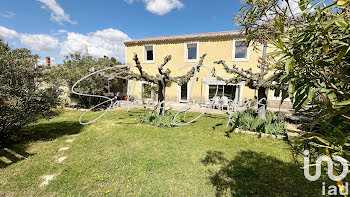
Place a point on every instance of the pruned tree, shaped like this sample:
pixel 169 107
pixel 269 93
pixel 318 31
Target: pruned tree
pixel 161 79
pixel 257 81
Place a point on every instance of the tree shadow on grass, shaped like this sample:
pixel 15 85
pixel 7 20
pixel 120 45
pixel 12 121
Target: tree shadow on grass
pixel 16 150
pixel 216 117
pixel 256 174
pixel 217 125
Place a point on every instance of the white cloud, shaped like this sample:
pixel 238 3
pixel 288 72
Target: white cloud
pixel 293 9
pixel 58 13
pixel 160 7
pixel 8 14
pixel 8 33
pixel 39 42
pixel 62 31
pixel 294 6
pixel 107 42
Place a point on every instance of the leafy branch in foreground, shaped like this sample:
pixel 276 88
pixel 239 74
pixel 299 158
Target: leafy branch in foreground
pixel 312 41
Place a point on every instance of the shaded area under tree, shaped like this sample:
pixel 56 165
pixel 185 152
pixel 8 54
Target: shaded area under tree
pixel 35 132
pixel 257 174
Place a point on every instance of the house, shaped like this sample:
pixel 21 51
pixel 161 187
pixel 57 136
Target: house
pixel 186 50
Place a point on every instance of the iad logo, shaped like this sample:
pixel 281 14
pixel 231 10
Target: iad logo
pixel 332 190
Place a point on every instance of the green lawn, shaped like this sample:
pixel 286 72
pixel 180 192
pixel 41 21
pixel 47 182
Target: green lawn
pixel 121 157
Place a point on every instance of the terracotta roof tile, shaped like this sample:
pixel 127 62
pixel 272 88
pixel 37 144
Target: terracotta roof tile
pixel 186 37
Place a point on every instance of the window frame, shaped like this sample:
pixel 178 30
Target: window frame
pixel 179 93
pixel 186 51
pixel 141 89
pixel 276 98
pixel 213 81
pixel 234 59
pixel 145 54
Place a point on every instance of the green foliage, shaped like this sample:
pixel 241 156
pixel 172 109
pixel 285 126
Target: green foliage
pixel 25 95
pixel 148 90
pixel 249 120
pixel 154 119
pixel 76 67
pixel 313 52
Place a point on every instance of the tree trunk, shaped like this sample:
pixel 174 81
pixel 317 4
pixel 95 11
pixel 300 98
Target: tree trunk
pixel 262 101
pixel 161 97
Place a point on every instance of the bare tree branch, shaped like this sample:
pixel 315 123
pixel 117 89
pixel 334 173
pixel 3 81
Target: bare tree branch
pixel 166 60
pixel 138 64
pixel 144 75
pixel 233 70
pixel 189 74
pixel 271 78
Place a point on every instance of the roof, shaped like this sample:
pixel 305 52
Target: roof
pixel 220 34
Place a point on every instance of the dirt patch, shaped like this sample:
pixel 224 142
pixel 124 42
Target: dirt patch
pixel 63 148
pixel 61 159
pixel 46 179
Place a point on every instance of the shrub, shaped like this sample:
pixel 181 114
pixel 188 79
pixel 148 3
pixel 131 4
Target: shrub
pixel 77 66
pixel 249 120
pixel 25 95
pixel 154 119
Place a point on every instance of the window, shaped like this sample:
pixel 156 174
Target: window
pixel 147 91
pixel 240 51
pixel 191 52
pixel 230 91
pixel 148 54
pixel 212 90
pixel 277 95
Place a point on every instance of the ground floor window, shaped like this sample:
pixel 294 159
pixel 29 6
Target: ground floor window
pixel 229 91
pixel 277 95
pixel 148 90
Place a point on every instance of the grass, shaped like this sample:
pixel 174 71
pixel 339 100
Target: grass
pixel 118 156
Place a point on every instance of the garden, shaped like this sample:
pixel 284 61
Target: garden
pixel 119 156
pixel 48 150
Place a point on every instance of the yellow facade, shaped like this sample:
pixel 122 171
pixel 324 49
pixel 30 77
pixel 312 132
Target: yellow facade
pixel 215 48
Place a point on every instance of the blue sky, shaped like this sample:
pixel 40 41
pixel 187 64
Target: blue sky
pixel 58 27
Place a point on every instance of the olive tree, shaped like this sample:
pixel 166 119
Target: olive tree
pixel 75 67
pixel 25 95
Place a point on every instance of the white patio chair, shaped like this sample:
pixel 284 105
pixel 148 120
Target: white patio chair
pixel 225 102
pixel 216 103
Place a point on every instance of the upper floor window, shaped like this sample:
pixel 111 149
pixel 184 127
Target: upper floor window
pixel 240 51
pixel 191 51
pixel 149 54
